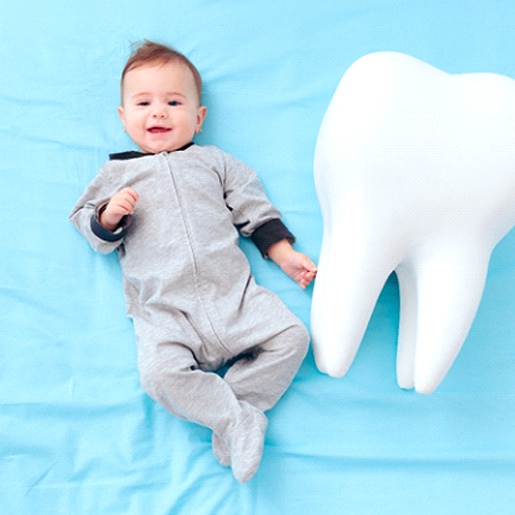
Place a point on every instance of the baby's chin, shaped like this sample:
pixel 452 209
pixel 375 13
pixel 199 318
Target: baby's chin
pixel 159 148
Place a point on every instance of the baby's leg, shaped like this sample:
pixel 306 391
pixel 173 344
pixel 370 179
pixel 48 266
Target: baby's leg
pixel 262 377
pixel 170 375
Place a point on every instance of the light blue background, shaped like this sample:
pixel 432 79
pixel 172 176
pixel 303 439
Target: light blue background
pixel 77 433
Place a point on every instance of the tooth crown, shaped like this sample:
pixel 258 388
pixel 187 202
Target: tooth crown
pixel 415 173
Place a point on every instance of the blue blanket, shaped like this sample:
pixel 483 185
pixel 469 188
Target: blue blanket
pixel 78 436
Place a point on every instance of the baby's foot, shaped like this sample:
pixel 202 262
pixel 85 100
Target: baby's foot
pixel 245 443
pixel 221 451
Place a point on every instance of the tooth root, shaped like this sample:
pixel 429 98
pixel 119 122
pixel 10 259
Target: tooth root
pixel 345 293
pixel 442 294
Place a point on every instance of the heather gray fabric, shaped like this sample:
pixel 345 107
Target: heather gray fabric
pixel 189 289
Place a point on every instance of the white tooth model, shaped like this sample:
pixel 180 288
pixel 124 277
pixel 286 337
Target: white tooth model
pixel 415 173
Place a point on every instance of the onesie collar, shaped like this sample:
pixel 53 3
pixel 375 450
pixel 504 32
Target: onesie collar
pixel 133 154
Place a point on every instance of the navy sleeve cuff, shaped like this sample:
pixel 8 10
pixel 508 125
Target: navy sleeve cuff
pixel 104 234
pixel 269 233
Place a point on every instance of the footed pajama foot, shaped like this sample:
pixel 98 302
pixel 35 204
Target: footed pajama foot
pixel 244 444
pixel 221 451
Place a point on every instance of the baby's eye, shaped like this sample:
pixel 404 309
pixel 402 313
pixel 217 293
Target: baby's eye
pixel 174 103
pixel 143 103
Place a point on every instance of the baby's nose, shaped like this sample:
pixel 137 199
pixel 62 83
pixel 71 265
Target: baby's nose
pixel 159 111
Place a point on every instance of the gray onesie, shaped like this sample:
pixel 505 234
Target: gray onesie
pixel 188 285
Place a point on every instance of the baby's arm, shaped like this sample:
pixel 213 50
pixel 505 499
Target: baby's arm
pixel 120 205
pixel 90 206
pixel 296 265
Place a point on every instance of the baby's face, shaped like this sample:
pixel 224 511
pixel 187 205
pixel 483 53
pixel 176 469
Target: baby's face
pixel 160 108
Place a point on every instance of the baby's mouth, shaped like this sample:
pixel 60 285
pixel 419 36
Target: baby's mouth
pixel 158 130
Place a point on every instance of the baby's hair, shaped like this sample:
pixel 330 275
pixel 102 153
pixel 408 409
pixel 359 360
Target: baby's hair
pixel 149 52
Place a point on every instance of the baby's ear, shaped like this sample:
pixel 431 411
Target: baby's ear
pixel 201 116
pixel 121 114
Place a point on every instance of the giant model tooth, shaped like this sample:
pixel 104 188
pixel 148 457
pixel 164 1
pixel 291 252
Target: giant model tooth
pixel 415 173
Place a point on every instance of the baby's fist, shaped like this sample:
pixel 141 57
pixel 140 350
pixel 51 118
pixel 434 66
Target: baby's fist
pixel 120 205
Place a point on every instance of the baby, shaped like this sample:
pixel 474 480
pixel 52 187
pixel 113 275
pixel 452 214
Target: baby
pixel 173 212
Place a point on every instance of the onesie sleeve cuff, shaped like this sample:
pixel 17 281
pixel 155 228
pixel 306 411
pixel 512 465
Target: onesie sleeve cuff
pixel 105 234
pixel 269 233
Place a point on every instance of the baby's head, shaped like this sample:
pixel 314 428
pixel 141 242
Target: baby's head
pixel 155 53
pixel 161 92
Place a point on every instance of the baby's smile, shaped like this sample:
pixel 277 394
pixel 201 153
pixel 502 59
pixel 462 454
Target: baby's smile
pixel 158 130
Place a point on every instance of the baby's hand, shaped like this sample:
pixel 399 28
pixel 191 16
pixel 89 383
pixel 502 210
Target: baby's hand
pixel 294 264
pixel 120 205
pixel 300 268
